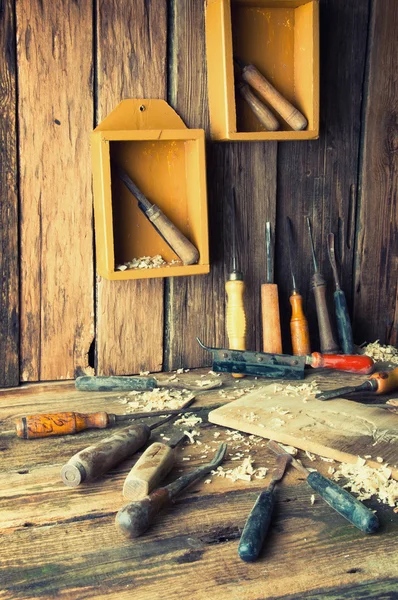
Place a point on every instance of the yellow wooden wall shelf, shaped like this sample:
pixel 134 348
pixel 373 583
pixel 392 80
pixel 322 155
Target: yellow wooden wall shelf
pixel 166 160
pixel 281 39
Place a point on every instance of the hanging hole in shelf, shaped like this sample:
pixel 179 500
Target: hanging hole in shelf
pixel 142 108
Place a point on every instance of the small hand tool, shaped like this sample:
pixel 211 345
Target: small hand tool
pixel 272 337
pixel 328 344
pixel 125 383
pixel 258 521
pixel 340 500
pixel 344 329
pixel 284 366
pixel 262 112
pixel 69 423
pixel 378 383
pixel 266 90
pixel 177 241
pixel 95 460
pixel 153 466
pixel 298 323
pixel 235 288
pixel 134 518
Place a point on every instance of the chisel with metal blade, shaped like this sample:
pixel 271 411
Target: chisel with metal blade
pixel 340 500
pixel 378 383
pixel 120 383
pixel 258 521
pixel 284 366
pixel 344 329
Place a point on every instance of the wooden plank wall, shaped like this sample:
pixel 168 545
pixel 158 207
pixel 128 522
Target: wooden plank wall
pixel 64 67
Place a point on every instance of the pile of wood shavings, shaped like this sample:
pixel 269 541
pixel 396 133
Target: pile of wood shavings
pixel 156 399
pixel 243 472
pixel 305 390
pixel 367 482
pixel 381 353
pixel 146 262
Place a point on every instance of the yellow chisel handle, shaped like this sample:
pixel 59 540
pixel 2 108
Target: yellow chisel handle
pixel 148 471
pixel 236 316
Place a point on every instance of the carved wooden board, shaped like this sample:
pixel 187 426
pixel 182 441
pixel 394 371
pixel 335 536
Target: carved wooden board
pixel 337 429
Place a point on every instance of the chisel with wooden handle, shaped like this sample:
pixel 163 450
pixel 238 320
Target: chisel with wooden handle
pixel 266 90
pixel 153 466
pixel 340 500
pixel 135 518
pixel 378 383
pixel 263 114
pixel 177 241
pixel 271 326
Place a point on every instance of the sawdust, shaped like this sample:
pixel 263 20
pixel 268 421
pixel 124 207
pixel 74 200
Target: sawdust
pixel 146 262
pixel 156 399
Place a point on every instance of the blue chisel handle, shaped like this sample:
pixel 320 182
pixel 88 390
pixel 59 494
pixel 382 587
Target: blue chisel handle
pixel 343 503
pixel 343 323
pixel 256 527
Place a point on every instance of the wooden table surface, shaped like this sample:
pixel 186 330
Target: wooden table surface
pixel 60 542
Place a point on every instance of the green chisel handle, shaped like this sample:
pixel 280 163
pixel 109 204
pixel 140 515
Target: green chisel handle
pixel 343 503
pixel 256 527
pixel 344 329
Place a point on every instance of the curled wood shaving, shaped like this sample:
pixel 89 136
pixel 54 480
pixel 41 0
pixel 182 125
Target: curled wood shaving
pixel 381 353
pixel 156 399
pixel 243 472
pixel 146 262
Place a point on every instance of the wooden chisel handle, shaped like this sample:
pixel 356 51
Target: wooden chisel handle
pixel 344 329
pixel 263 114
pixel 353 363
pixel 328 344
pixel 387 381
pixel 135 518
pixel 236 316
pixel 272 337
pixel 148 471
pixel 288 112
pixel 66 423
pixel 343 503
pixel 299 327
pixel 256 527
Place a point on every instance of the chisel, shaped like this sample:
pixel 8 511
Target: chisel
pixel 119 383
pixel 262 112
pixel 298 323
pixel 134 518
pixel 328 344
pixel 272 337
pixel 378 383
pixel 344 329
pixel 258 521
pixel 153 466
pixel 177 241
pixel 95 460
pixel 235 288
pixel 340 500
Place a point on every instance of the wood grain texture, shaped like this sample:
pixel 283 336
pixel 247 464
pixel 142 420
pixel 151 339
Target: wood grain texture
pixel 319 178
pixel 75 551
pixel 54 50
pixel 9 264
pixel 376 265
pixel 196 305
pixel 131 63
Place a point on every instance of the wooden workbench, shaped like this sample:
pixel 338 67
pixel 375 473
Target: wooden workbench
pixel 60 542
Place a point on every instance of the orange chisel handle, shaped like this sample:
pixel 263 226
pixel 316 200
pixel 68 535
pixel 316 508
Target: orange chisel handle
pixel 342 362
pixel 387 381
pixel 67 423
pixel 299 327
pixel 236 316
pixel 272 338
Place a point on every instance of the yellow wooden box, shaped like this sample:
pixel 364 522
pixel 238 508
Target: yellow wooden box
pixel 281 38
pixel 166 160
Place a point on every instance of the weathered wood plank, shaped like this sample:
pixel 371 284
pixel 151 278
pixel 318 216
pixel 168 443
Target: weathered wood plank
pixel 376 265
pixel 196 305
pixel 319 178
pixel 9 266
pixel 54 50
pixel 131 63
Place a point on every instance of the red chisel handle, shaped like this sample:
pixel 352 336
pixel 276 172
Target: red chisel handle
pixel 342 362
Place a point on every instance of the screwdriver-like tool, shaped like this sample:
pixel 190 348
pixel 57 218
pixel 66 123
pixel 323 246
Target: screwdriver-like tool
pixel 258 521
pixel 125 383
pixel 134 518
pixel 151 468
pixel 235 288
pixel 69 423
pixel 340 500
pixel 328 344
pixel 95 460
pixel 272 337
pixel 298 323
pixel 378 383
pixel 177 241
pixel 344 329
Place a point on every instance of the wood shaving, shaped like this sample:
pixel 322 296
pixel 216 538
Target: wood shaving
pixel 146 262
pixel 188 420
pixel 312 499
pixel 191 435
pixel 243 472
pixel 156 399
pixel 381 353
pixel 367 482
